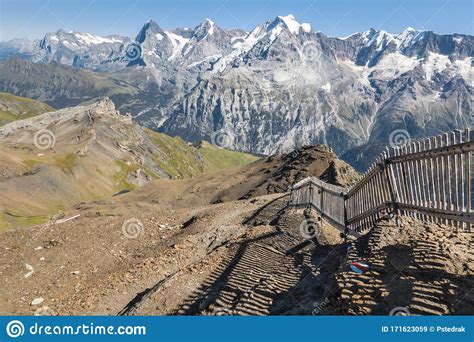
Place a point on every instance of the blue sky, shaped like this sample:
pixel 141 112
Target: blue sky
pixel 33 18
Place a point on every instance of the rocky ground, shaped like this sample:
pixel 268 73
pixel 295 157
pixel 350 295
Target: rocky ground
pixel 246 257
pixel 97 263
pixel 418 268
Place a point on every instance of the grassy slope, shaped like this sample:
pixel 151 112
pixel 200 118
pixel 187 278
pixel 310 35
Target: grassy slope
pixel 15 108
pixel 183 160
pixel 175 156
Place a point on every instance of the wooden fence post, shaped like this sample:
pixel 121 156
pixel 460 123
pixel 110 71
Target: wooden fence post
pixel 391 188
pixel 467 175
pixel 346 228
pixel 321 190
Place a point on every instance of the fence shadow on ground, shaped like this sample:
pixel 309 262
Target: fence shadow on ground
pixel 278 273
pixel 411 277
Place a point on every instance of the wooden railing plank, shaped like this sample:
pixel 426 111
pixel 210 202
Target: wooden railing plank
pixel 467 176
pixel 455 176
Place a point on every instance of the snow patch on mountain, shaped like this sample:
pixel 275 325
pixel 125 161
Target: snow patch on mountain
pixel 408 37
pixel 205 60
pixel 178 42
pixel 90 39
pixel 394 64
pixel 326 87
pixel 464 67
pixel 242 45
pixel 381 39
pixel 435 63
pixel 211 26
pixel 293 25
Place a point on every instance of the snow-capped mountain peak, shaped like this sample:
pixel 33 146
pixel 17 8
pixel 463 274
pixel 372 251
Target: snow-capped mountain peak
pixel 205 29
pixel 76 48
pixel 290 23
pixel 409 29
pixel 381 39
pixel 150 28
pixel 408 37
pixel 90 39
pixel 209 21
pixel 78 39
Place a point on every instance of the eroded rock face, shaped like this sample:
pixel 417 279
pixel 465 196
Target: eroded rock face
pixel 105 106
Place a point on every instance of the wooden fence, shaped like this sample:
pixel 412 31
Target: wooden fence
pixel 429 179
pixel 328 199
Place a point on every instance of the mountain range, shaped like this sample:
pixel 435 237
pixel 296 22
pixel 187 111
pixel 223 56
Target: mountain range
pixel 280 86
